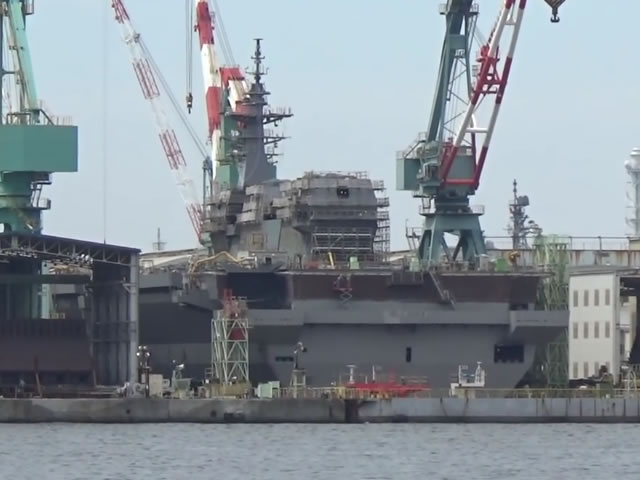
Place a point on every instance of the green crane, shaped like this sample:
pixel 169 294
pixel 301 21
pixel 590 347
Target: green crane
pixel 32 145
pixel 444 165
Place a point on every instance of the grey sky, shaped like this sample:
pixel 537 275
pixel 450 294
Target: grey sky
pixel 359 76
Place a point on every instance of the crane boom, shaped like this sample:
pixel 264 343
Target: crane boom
pixel 211 73
pixel 144 71
pixel 24 72
pixel 491 80
pixel 225 87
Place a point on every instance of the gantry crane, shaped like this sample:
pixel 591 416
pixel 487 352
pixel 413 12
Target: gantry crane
pixel 147 73
pixel 34 145
pixel 444 165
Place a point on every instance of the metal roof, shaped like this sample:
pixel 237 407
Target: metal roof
pixel 52 247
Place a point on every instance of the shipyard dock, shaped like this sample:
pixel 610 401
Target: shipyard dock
pixel 542 409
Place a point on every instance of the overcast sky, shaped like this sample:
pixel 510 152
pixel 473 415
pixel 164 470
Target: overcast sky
pixel 359 76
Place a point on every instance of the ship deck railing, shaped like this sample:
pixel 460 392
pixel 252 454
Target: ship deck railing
pixel 345 392
pixel 571 242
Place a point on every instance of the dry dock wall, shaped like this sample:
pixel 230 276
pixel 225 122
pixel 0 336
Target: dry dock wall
pixel 502 410
pixel 415 410
pixel 142 410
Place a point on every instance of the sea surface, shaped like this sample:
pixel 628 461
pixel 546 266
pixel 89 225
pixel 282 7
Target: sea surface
pixel 354 452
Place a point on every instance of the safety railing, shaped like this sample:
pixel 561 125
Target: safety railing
pixel 347 393
pixel 572 243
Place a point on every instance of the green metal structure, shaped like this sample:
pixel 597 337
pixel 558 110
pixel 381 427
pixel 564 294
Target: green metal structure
pixel 551 253
pixel 444 165
pixel 32 146
pixel 419 169
pixel 231 153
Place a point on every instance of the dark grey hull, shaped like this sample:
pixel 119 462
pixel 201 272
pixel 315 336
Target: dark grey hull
pixel 436 353
pixel 406 337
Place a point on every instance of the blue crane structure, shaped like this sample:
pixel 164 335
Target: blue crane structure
pixel 32 144
pixel 443 166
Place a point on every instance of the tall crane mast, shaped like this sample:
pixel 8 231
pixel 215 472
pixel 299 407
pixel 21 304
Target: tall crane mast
pixel 225 87
pixel 34 145
pixel 444 165
pixel 146 72
pixel 211 73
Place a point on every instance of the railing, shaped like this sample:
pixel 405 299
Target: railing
pixel 428 209
pixel 348 393
pixel 443 8
pixel 360 175
pixel 420 139
pixel 382 202
pixel 573 243
pixel 42 203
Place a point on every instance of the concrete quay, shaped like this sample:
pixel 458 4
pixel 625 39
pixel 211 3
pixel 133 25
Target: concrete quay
pixel 288 410
pixel 502 410
pixel 143 410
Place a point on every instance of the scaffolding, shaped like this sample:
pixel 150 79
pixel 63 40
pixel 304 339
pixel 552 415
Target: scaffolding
pixel 382 240
pixel 342 243
pixel 551 253
pixel 230 342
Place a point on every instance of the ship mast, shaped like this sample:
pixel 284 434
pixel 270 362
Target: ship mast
pixel 259 144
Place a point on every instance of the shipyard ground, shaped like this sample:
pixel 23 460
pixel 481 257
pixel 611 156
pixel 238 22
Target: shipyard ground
pixel 409 410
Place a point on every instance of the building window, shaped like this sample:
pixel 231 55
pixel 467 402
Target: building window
pixel 575 329
pixel 596 297
pixel 575 298
pixel 585 333
pixel 608 367
pixel 586 298
pixel 407 355
pixel 607 297
pixel 508 354
pixel 257 241
pixel 575 369
pixel 585 366
pixel 596 367
pixel 607 329
pixel 596 329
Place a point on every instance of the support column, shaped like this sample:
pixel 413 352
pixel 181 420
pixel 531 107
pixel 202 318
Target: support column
pixel 134 319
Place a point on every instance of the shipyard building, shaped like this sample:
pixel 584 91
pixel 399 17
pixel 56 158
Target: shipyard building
pixel 603 318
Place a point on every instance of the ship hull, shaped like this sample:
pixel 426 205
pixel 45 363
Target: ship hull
pixel 412 334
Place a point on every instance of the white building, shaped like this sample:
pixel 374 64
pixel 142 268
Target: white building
pixel 602 319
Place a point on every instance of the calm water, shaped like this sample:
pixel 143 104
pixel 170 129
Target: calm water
pixel 283 452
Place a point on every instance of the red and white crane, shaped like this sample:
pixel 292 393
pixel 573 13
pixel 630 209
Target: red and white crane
pixel 231 77
pixel 220 82
pixel 211 74
pixel 147 73
pixel 491 80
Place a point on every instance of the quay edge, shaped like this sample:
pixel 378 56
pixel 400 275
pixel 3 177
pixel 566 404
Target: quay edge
pixel 336 411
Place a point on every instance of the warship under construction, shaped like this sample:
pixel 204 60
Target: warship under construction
pixel 309 257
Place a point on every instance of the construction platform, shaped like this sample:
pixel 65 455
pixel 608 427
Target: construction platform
pixel 68 312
